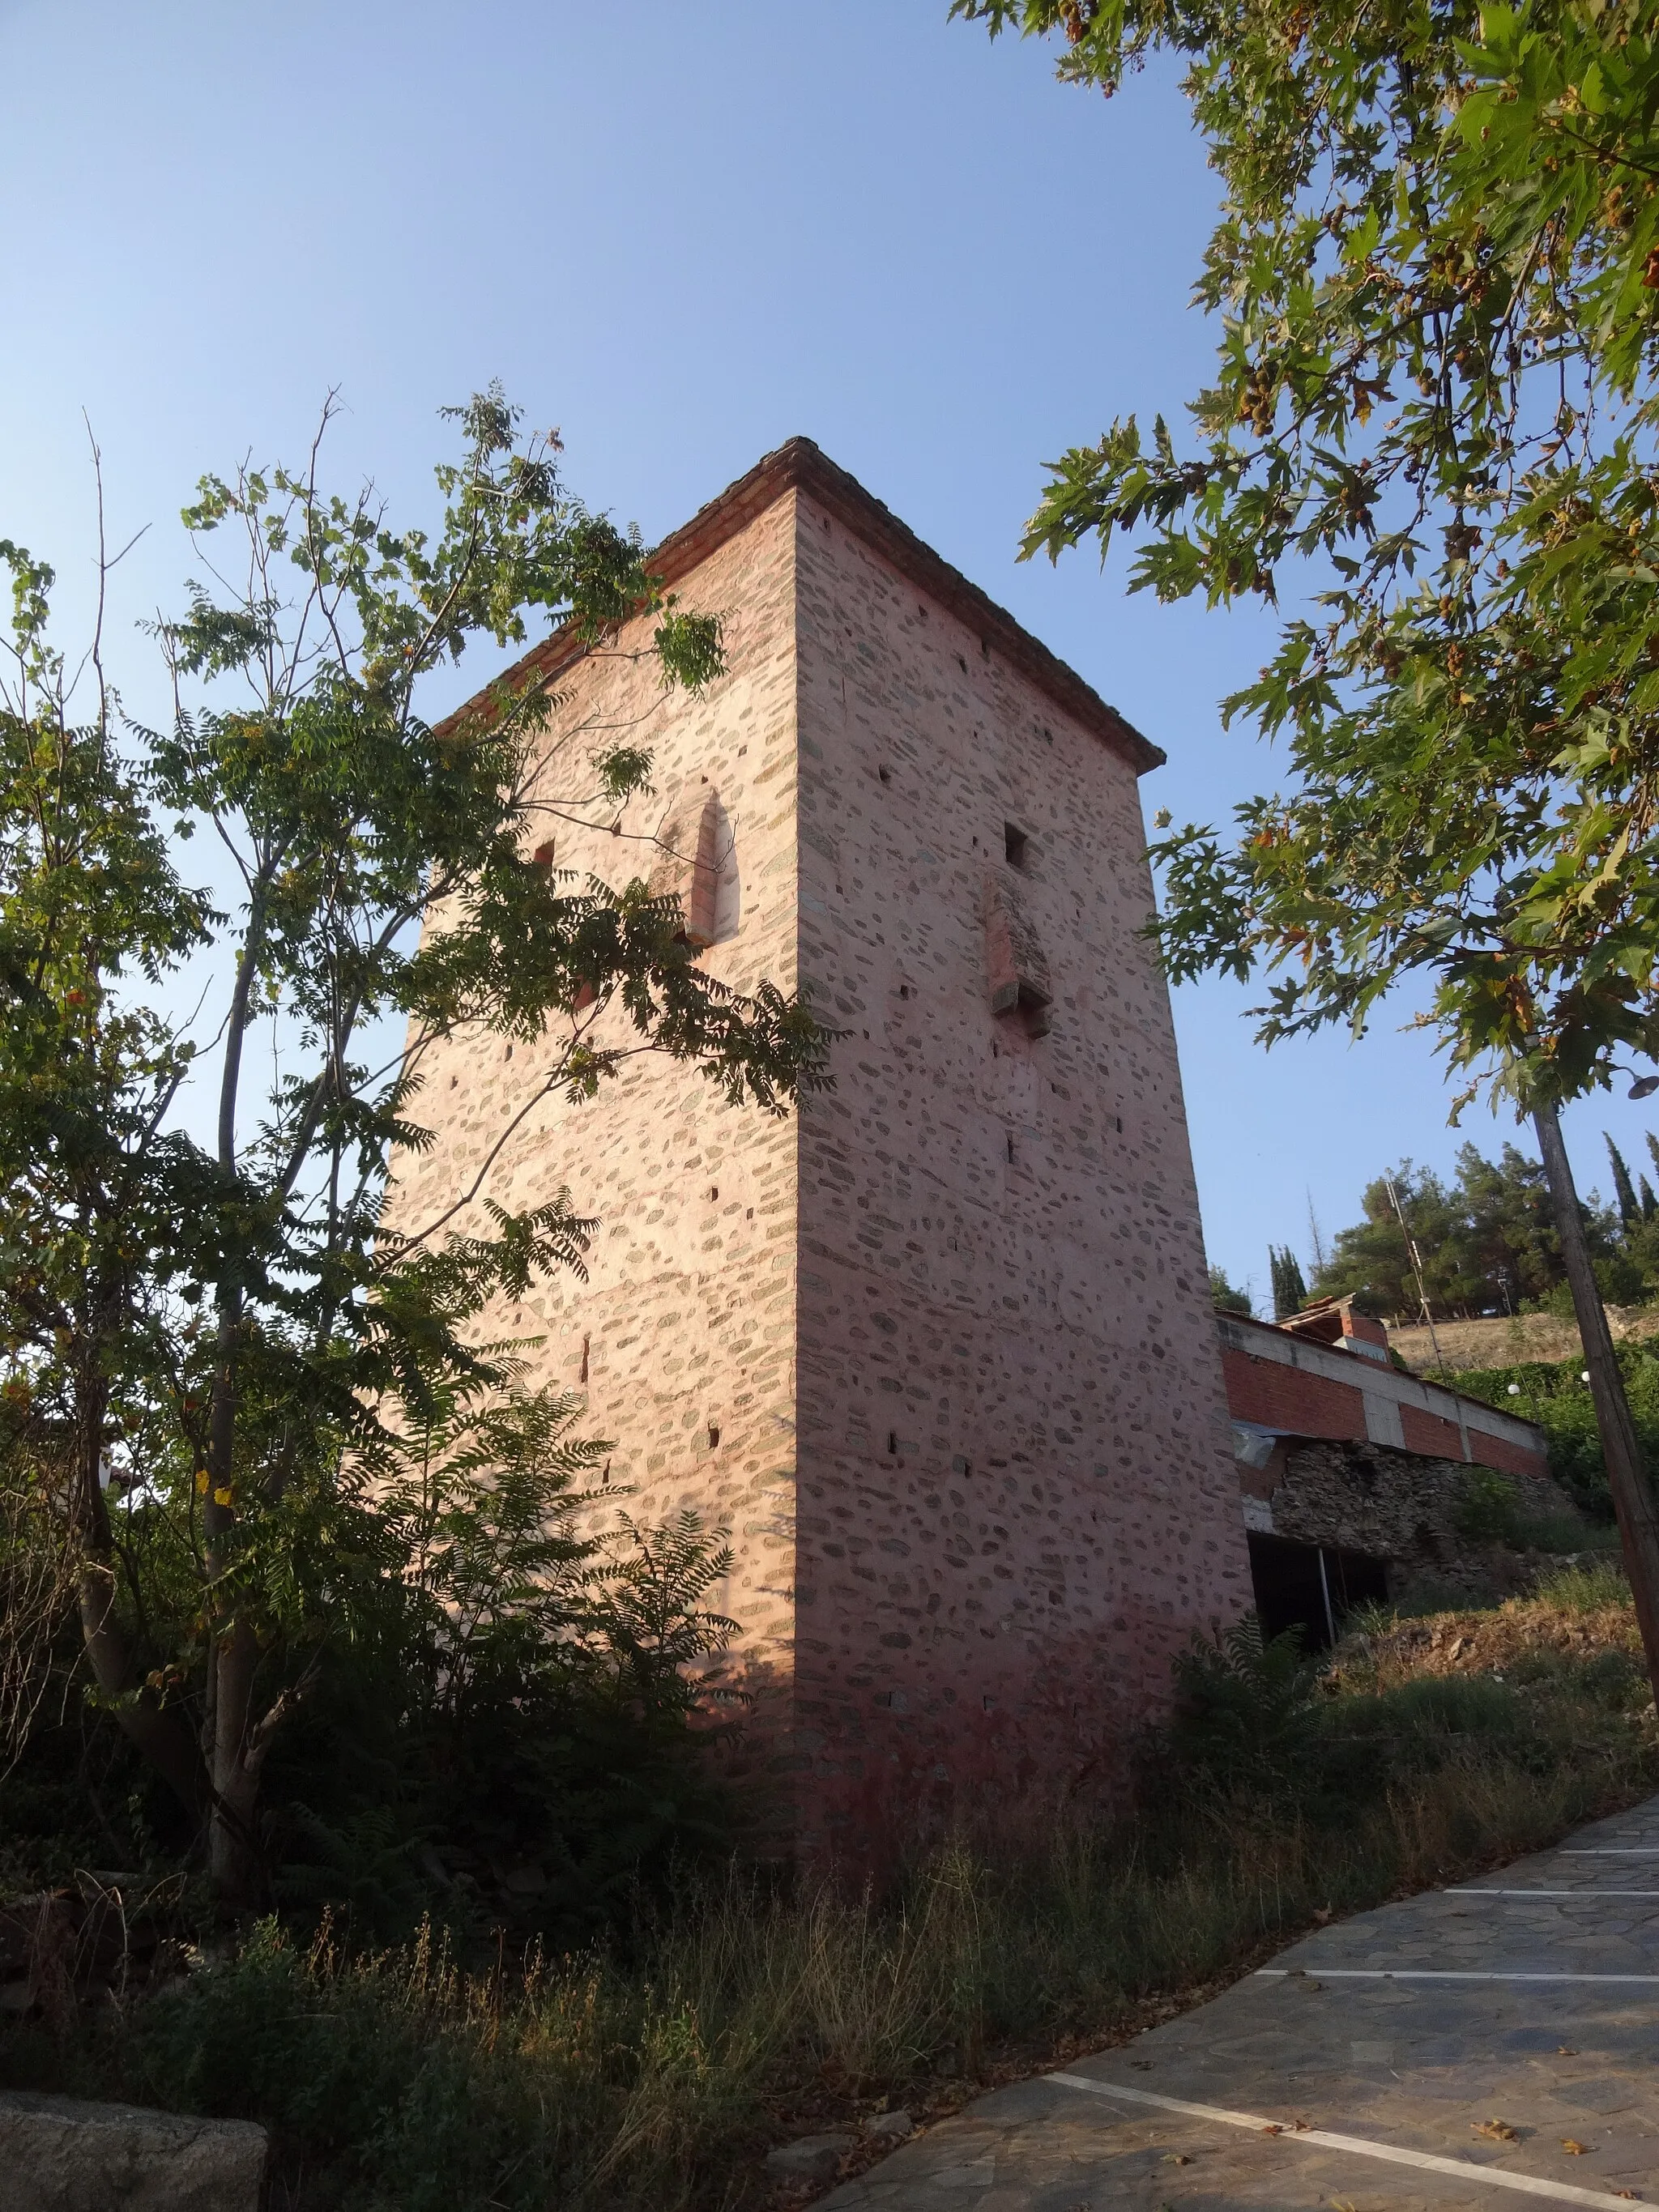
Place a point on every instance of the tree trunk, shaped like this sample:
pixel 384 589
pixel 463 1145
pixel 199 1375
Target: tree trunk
pixel 1632 1493
pixel 157 1733
pixel 233 1855
pixel 234 1860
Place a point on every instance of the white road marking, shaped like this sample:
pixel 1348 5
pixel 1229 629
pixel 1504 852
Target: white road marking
pixel 1550 1893
pixel 1431 1974
pixel 1558 2192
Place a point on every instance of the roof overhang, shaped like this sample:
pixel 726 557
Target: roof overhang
pixel 802 466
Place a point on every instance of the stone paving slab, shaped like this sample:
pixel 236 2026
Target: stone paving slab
pixel 1338 2038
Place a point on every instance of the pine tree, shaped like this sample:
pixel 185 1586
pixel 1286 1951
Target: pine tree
pixel 1649 1203
pixel 1289 1288
pixel 1624 1190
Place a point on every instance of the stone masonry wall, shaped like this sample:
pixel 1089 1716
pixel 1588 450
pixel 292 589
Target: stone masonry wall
pixel 971 1277
pixel 1399 1506
pixel 1017 1490
pixel 684 1331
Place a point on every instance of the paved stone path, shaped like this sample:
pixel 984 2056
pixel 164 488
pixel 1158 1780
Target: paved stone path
pixel 1529 1999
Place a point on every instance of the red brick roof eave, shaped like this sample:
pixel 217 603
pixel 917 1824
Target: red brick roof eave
pixel 801 466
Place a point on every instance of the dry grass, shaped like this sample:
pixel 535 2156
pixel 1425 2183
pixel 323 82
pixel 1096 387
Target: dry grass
pixel 1466 1346
pixel 658 2079
pixel 1579 1612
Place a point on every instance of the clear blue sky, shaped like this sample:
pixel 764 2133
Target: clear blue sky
pixel 682 233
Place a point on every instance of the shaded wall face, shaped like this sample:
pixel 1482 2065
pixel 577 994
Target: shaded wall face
pixel 682 1340
pixel 1017 1495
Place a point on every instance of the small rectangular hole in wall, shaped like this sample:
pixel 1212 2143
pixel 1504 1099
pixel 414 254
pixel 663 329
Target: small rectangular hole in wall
pixel 885 774
pixel 713 1435
pixel 542 855
pixel 958 1466
pixel 1016 846
pixel 892 1443
pixel 1011 1152
pixel 584 1372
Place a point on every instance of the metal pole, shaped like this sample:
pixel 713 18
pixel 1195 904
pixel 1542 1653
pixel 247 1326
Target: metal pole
pixel 1416 1259
pixel 1325 1592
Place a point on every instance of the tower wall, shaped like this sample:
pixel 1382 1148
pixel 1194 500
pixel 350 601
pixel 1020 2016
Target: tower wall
pixel 938 1349
pixel 1017 1491
pixel 685 1328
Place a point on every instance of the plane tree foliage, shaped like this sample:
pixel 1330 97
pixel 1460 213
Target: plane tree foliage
pixel 1435 285
pixel 205 1320
pixel 1435 279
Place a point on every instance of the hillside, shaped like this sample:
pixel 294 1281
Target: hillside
pixel 1500 1342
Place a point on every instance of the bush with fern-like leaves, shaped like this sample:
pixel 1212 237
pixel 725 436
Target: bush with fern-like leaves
pixel 501 1683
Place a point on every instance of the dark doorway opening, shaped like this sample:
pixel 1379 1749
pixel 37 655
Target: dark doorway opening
pixel 1310 1587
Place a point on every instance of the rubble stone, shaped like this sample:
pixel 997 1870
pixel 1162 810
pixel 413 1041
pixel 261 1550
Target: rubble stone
pixel 65 2155
pixel 812 2158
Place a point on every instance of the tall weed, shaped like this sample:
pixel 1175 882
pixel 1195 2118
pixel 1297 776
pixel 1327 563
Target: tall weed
pixel 1586 1586
pixel 650 2079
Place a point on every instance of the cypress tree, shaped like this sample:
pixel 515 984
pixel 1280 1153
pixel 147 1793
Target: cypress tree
pixel 1624 1189
pixel 1289 1288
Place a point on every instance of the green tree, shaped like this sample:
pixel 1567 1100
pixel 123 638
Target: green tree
pixel 229 1326
pixel 1436 270
pixel 1225 1298
pixel 1488 1241
pixel 1624 1190
pixel 1289 1288
pixel 1506 1248
pixel 1370 1260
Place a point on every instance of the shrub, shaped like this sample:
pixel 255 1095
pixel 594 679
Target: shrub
pixel 1584 1586
pixel 648 2076
pixel 1489 1509
pixel 1553 1395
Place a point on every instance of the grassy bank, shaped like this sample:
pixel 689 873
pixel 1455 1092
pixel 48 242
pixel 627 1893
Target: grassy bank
pixel 658 2078
pixel 1553 1393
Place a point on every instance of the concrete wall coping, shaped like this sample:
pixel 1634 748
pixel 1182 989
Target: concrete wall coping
pixel 1262 1340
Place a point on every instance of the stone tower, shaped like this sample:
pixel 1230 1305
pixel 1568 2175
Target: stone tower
pixel 938 1349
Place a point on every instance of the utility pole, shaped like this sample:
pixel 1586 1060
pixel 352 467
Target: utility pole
pixel 1627 1478
pixel 1416 1259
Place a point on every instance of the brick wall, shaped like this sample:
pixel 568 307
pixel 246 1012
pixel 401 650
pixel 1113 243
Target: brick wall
pixel 1291 1398
pixel 1289 1380
pixel 1430 1433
